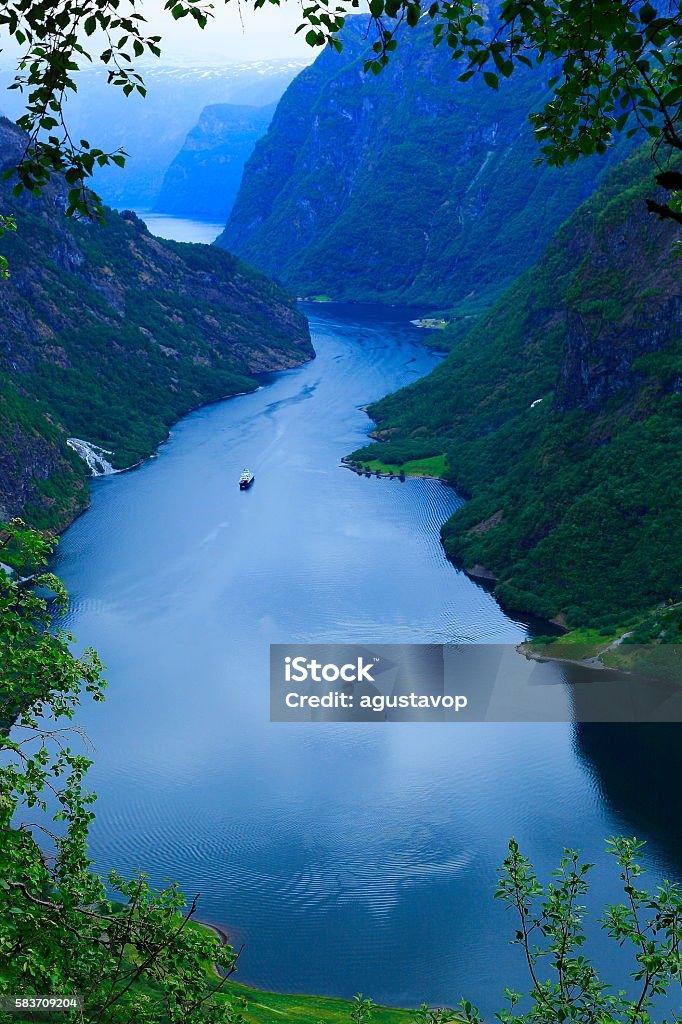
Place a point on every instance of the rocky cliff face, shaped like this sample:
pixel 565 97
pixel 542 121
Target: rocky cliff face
pixel 204 178
pixel 405 187
pixel 40 478
pixel 109 335
pixel 616 312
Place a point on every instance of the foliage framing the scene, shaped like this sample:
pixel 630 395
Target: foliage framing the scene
pixel 612 64
pixel 137 958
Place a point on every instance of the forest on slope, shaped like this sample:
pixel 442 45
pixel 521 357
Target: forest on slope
pixel 110 335
pixel 560 416
pixel 408 187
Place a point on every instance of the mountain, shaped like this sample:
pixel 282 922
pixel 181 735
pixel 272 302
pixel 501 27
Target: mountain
pixel 152 129
pixel 203 180
pixel 560 416
pixel 109 336
pixel 406 187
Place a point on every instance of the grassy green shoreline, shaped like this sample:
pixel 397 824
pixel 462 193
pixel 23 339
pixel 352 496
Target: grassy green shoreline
pixel 263 1007
pixel 266 1007
pixel 433 467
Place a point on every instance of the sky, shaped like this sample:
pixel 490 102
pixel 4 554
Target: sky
pixel 265 34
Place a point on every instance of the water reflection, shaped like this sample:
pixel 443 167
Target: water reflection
pixel 351 856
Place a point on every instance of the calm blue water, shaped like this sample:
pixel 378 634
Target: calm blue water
pixel 347 857
pixel 180 229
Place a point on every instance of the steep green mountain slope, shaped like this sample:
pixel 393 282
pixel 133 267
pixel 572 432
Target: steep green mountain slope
pixel 561 416
pixel 109 335
pixel 405 187
pixel 204 178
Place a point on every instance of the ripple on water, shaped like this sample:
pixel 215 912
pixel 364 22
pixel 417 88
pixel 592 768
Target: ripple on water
pixel 347 857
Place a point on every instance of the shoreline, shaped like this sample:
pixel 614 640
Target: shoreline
pixel 62 528
pixel 221 935
pixel 402 476
pixel 592 661
pixel 219 932
pixel 262 1006
pixel 478 574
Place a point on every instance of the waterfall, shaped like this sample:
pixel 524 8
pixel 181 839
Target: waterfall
pixel 93 456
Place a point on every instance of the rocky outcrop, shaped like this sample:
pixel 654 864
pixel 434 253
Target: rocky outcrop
pixel 32 460
pixel 615 315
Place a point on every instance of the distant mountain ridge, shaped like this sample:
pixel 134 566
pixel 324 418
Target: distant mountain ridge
pixel 409 186
pixel 152 129
pixel 110 335
pixel 204 178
